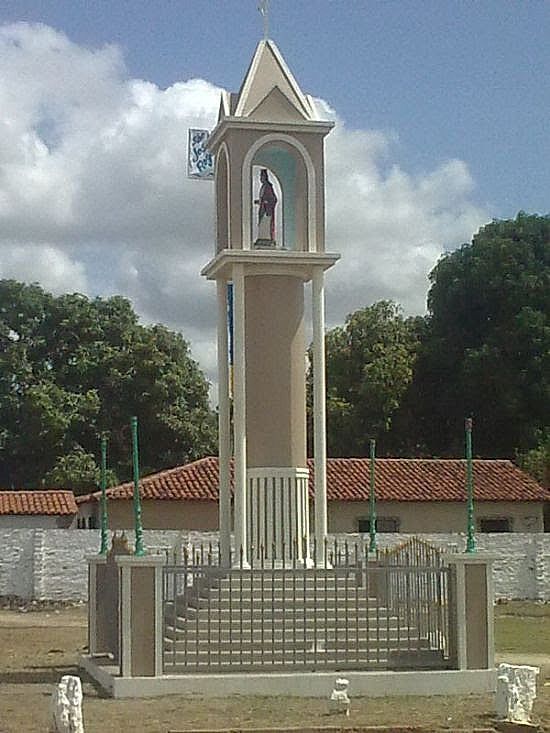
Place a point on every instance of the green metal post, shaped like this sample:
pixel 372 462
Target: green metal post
pixel 471 540
pixel 139 549
pixel 372 499
pixel 103 481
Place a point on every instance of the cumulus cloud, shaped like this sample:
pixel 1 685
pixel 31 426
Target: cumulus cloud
pixel 44 264
pixel 94 195
pixel 390 226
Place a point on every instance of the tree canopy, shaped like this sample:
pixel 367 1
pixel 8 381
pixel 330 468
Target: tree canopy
pixel 483 350
pixel 369 367
pixel 72 368
pixel 487 351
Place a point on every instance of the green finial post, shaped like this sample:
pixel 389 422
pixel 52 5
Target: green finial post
pixel 372 499
pixel 103 482
pixel 471 540
pixel 139 549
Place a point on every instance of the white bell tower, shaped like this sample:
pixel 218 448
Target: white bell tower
pixel 270 206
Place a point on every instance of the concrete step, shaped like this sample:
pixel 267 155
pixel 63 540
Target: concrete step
pixel 420 659
pixel 235 631
pixel 352 644
pixel 312 664
pixel 268 600
pixel 266 579
pixel 379 656
pixel 268 611
pixel 268 603
pixel 290 577
pixel 284 620
pixel 284 605
pixel 300 591
pixel 288 592
pixel 229 632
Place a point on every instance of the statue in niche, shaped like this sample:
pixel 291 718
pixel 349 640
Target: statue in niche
pixel 267 202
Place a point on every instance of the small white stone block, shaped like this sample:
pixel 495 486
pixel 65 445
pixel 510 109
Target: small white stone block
pixel 66 706
pixel 339 699
pixel 516 692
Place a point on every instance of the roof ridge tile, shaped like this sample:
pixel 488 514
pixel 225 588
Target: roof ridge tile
pixel 397 479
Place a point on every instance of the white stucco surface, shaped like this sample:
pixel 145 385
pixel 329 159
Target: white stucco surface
pixel 516 692
pixel 66 706
pixel 33 521
pixel 51 564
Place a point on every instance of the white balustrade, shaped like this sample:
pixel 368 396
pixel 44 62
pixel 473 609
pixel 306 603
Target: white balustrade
pixel 278 515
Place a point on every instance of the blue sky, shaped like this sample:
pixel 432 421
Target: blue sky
pixel 441 112
pixel 453 79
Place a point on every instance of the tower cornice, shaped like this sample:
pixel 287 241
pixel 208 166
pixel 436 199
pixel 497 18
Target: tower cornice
pixel 269 262
pixel 217 135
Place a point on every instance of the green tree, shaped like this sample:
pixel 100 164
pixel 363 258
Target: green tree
pixel 487 351
pixel 72 368
pixel 537 461
pixel 370 364
pixel 77 471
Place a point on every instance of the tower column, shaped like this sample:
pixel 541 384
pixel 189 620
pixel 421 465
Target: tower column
pixel 269 148
pixel 319 411
pixel 224 502
pixel 239 415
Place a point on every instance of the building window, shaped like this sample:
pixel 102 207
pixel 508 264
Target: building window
pixel 383 524
pixel 495 524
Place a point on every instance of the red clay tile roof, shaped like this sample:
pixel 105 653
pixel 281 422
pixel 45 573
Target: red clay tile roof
pixel 397 479
pixel 419 479
pixel 38 502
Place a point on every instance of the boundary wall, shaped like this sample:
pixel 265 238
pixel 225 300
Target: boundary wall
pixel 50 564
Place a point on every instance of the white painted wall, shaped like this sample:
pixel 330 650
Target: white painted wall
pixel 51 564
pixel 33 521
pixel 521 567
pixel 17 562
pixel 436 516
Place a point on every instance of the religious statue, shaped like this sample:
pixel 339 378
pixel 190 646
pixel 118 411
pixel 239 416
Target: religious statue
pixel 267 202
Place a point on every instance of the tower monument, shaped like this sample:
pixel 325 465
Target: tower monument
pixel 270 241
pixel 157 627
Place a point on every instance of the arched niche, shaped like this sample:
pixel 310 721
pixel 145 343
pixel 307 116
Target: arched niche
pixel 279 209
pixel 295 178
pixel 222 199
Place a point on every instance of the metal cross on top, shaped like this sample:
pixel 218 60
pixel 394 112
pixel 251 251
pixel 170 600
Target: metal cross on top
pixel 263 7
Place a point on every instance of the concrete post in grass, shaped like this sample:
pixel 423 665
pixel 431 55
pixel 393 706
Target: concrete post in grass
pixel 141 608
pixel 471 621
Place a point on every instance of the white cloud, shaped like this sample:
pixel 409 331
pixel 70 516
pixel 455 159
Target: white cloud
pixel 44 264
pixel 94 194
pixel 390 226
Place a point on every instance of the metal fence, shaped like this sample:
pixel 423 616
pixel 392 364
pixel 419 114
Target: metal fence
pixel 417 590
pixel 346 612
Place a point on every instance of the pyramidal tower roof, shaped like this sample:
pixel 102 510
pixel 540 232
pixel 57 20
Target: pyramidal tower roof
pixel 269 91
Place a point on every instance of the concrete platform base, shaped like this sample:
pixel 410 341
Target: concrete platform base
pixel 291 684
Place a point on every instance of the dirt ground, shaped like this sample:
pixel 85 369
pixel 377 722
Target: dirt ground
pixel 38 647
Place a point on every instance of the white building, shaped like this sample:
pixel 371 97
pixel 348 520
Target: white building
pixel 37 509
pixel 413 495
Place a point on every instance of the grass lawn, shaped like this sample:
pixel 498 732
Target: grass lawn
pixel 37 648
pixel 522 627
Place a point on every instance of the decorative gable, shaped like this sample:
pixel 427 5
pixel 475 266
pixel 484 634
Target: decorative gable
pixel 276 108
pixel 268 71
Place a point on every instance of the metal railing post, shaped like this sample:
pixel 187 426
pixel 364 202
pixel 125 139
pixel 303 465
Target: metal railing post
pixel 103 483
pixel 139 548
pixel 471 541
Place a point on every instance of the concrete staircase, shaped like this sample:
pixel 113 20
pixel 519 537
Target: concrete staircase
pixel 287 620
